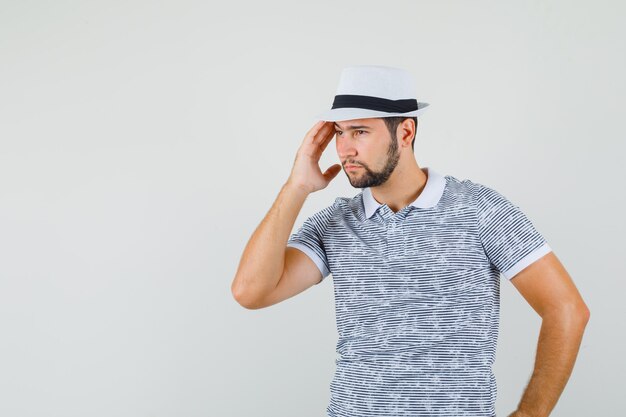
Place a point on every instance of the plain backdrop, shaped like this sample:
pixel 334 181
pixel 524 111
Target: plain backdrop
pixel 141 143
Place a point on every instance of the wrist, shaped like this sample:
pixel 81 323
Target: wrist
pixel 298 188
pixel 522 413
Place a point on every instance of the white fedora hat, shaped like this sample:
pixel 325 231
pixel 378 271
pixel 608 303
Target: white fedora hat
pixel 366 91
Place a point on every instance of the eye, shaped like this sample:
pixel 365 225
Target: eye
pixel 339 132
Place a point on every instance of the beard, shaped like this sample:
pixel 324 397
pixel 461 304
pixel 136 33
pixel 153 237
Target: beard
pixel 366 177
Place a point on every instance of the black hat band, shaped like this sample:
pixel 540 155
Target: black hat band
pixel 375 103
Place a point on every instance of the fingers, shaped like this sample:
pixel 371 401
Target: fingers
pixel 310 135
pixel 323 133
pixel 318 138
pixel 322 142
pixel 328 138
pixel 332 172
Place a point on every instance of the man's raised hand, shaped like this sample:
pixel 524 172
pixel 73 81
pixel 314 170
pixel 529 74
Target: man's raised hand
pixel 306 173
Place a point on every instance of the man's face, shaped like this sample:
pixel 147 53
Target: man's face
pixel 367 144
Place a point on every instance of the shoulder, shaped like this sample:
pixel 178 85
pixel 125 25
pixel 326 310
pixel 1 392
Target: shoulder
pixel 325 216
pixel 341 210
pixel 347 206
pixel 460 191
pixel 482 198
pixel 477 191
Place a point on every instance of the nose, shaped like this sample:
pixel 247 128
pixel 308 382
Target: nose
pixel 345 150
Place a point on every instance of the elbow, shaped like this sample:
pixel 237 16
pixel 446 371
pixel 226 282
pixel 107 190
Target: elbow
pixel 574 313
pixel 581 311
pixel 243 298
pixel 239 295
pixel 246 303
pixel 585 313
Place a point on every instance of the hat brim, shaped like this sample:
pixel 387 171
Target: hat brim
pixel 350 113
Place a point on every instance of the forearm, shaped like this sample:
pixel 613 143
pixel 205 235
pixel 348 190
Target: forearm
pixel 262 261
pixel 557 348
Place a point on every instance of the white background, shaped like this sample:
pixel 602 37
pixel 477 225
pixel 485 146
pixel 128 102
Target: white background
pixel 141 143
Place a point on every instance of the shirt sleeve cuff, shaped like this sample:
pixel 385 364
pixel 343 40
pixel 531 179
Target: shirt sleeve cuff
pixel 311 254
pixel 527 260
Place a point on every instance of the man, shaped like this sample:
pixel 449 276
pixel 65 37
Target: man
pixel 416 259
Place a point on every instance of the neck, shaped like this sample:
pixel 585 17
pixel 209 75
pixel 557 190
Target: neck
pixel 403 187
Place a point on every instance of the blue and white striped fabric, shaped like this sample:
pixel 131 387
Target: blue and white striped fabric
pixel 417 296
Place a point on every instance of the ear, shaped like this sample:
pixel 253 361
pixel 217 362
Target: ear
pixel 406 131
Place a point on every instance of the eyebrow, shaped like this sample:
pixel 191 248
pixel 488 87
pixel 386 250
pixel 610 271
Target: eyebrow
pixel 353 127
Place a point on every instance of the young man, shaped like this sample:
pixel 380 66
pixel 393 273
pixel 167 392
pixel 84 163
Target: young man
pixel 416 259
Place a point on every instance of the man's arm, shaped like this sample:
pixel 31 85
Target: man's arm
pixel 263 260
pixel 548 288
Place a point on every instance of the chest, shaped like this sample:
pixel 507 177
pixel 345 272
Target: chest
pixel 428 256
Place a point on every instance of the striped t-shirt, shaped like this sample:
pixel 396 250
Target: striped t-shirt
pixel 417 296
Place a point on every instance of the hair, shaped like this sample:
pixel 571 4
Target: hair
pixel 393 123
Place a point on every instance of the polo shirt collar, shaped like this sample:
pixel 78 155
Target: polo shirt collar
pixel 429 197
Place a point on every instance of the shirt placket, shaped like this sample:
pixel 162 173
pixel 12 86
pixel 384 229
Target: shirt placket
pixel 392 229
pixel 394 244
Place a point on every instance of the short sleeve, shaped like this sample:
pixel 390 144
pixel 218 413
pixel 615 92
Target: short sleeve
pixel 309 239
pixel 509 238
